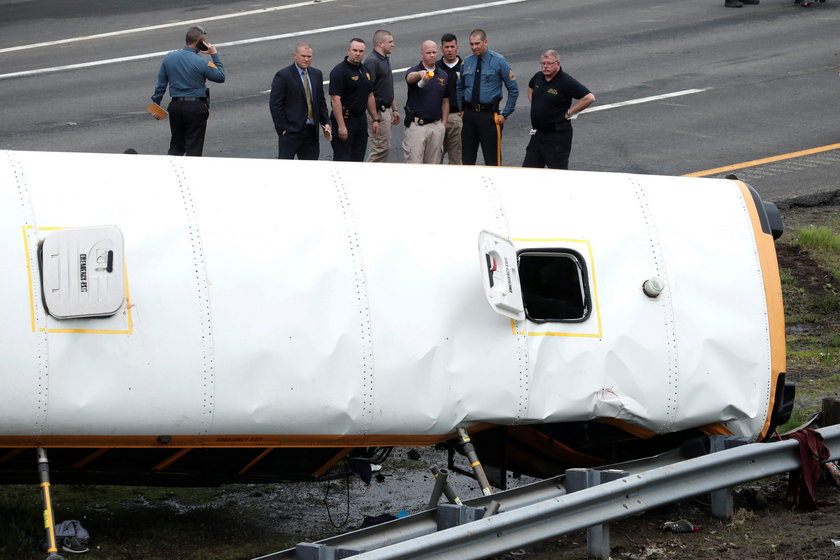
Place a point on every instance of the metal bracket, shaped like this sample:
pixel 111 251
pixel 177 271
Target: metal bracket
pixel 315 551
pixel 450 515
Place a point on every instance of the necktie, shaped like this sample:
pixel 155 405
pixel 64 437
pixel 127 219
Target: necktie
pixel 476 87
pixel 308 91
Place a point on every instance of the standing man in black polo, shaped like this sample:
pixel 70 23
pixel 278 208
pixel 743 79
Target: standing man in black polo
pixel 379 65
pixel 186 72
pixel 480 96
pixel 551 92
pixel 351 94
pixel 427 108
pixel 451 63
pixel 298 107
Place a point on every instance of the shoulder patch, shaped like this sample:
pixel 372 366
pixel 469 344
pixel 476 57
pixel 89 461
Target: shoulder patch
pixel 512 75
pixel 211 65
pixel 368 75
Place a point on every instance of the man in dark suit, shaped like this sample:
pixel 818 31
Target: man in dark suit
pixel 298 107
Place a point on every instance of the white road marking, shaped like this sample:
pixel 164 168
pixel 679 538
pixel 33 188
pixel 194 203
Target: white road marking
pixel 378 21
pixel 643 100
pixel 161 26
pixel 80 65
pixel 262 39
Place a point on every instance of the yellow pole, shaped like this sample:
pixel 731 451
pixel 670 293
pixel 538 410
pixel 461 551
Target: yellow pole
pixel 49 517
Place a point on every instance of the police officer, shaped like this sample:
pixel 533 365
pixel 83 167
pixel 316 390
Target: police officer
pixel 379 65
pixel 185 72
pixel 427 108
pixel 451 63
pixel 480 95
pixel 551 92
pixel 351 93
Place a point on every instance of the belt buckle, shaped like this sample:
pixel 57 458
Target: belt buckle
pixel 477 107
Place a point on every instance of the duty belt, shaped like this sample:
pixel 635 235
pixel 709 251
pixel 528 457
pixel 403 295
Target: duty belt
pixel 480 107
pixel 556 127
pixel 421 121
pixel 189 99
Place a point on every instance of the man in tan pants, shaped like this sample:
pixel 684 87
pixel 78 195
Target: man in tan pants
pixel 379 68
pixel 427 109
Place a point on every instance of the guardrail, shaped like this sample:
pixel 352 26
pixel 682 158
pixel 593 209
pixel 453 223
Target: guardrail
pixel 532 514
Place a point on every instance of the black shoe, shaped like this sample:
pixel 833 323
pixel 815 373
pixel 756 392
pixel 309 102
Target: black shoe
pixel 732 3
pixel 750 1
pixel 72 544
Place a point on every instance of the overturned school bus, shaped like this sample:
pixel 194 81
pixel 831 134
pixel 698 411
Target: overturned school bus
pixel 200 320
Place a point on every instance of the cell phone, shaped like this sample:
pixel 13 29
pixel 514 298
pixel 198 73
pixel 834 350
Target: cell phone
pixel 202 46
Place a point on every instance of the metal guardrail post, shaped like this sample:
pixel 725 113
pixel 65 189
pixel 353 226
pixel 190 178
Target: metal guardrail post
pixel 315 551
pixel 723 506
pixel 450 515
pixel 597 536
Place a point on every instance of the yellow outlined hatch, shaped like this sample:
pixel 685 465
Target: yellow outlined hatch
pixel 129 328
pixel 600 331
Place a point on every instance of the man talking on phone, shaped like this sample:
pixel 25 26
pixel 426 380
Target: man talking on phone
pixel 185 72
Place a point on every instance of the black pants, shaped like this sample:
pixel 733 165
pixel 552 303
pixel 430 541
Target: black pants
pixel 550 149
pixel 188 123
pixel 303 144
pixel 352 149
pixel 480 129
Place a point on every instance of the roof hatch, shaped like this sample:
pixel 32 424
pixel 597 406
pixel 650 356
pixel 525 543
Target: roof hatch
pixel 82 272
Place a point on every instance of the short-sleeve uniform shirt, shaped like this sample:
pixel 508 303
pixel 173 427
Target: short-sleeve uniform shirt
pixel 551 99
pixel 352 83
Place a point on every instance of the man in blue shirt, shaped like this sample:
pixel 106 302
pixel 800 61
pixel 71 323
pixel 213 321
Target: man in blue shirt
pixel 480 95
pixel 186 72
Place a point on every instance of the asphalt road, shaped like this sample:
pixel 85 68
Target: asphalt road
pixel 682 86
